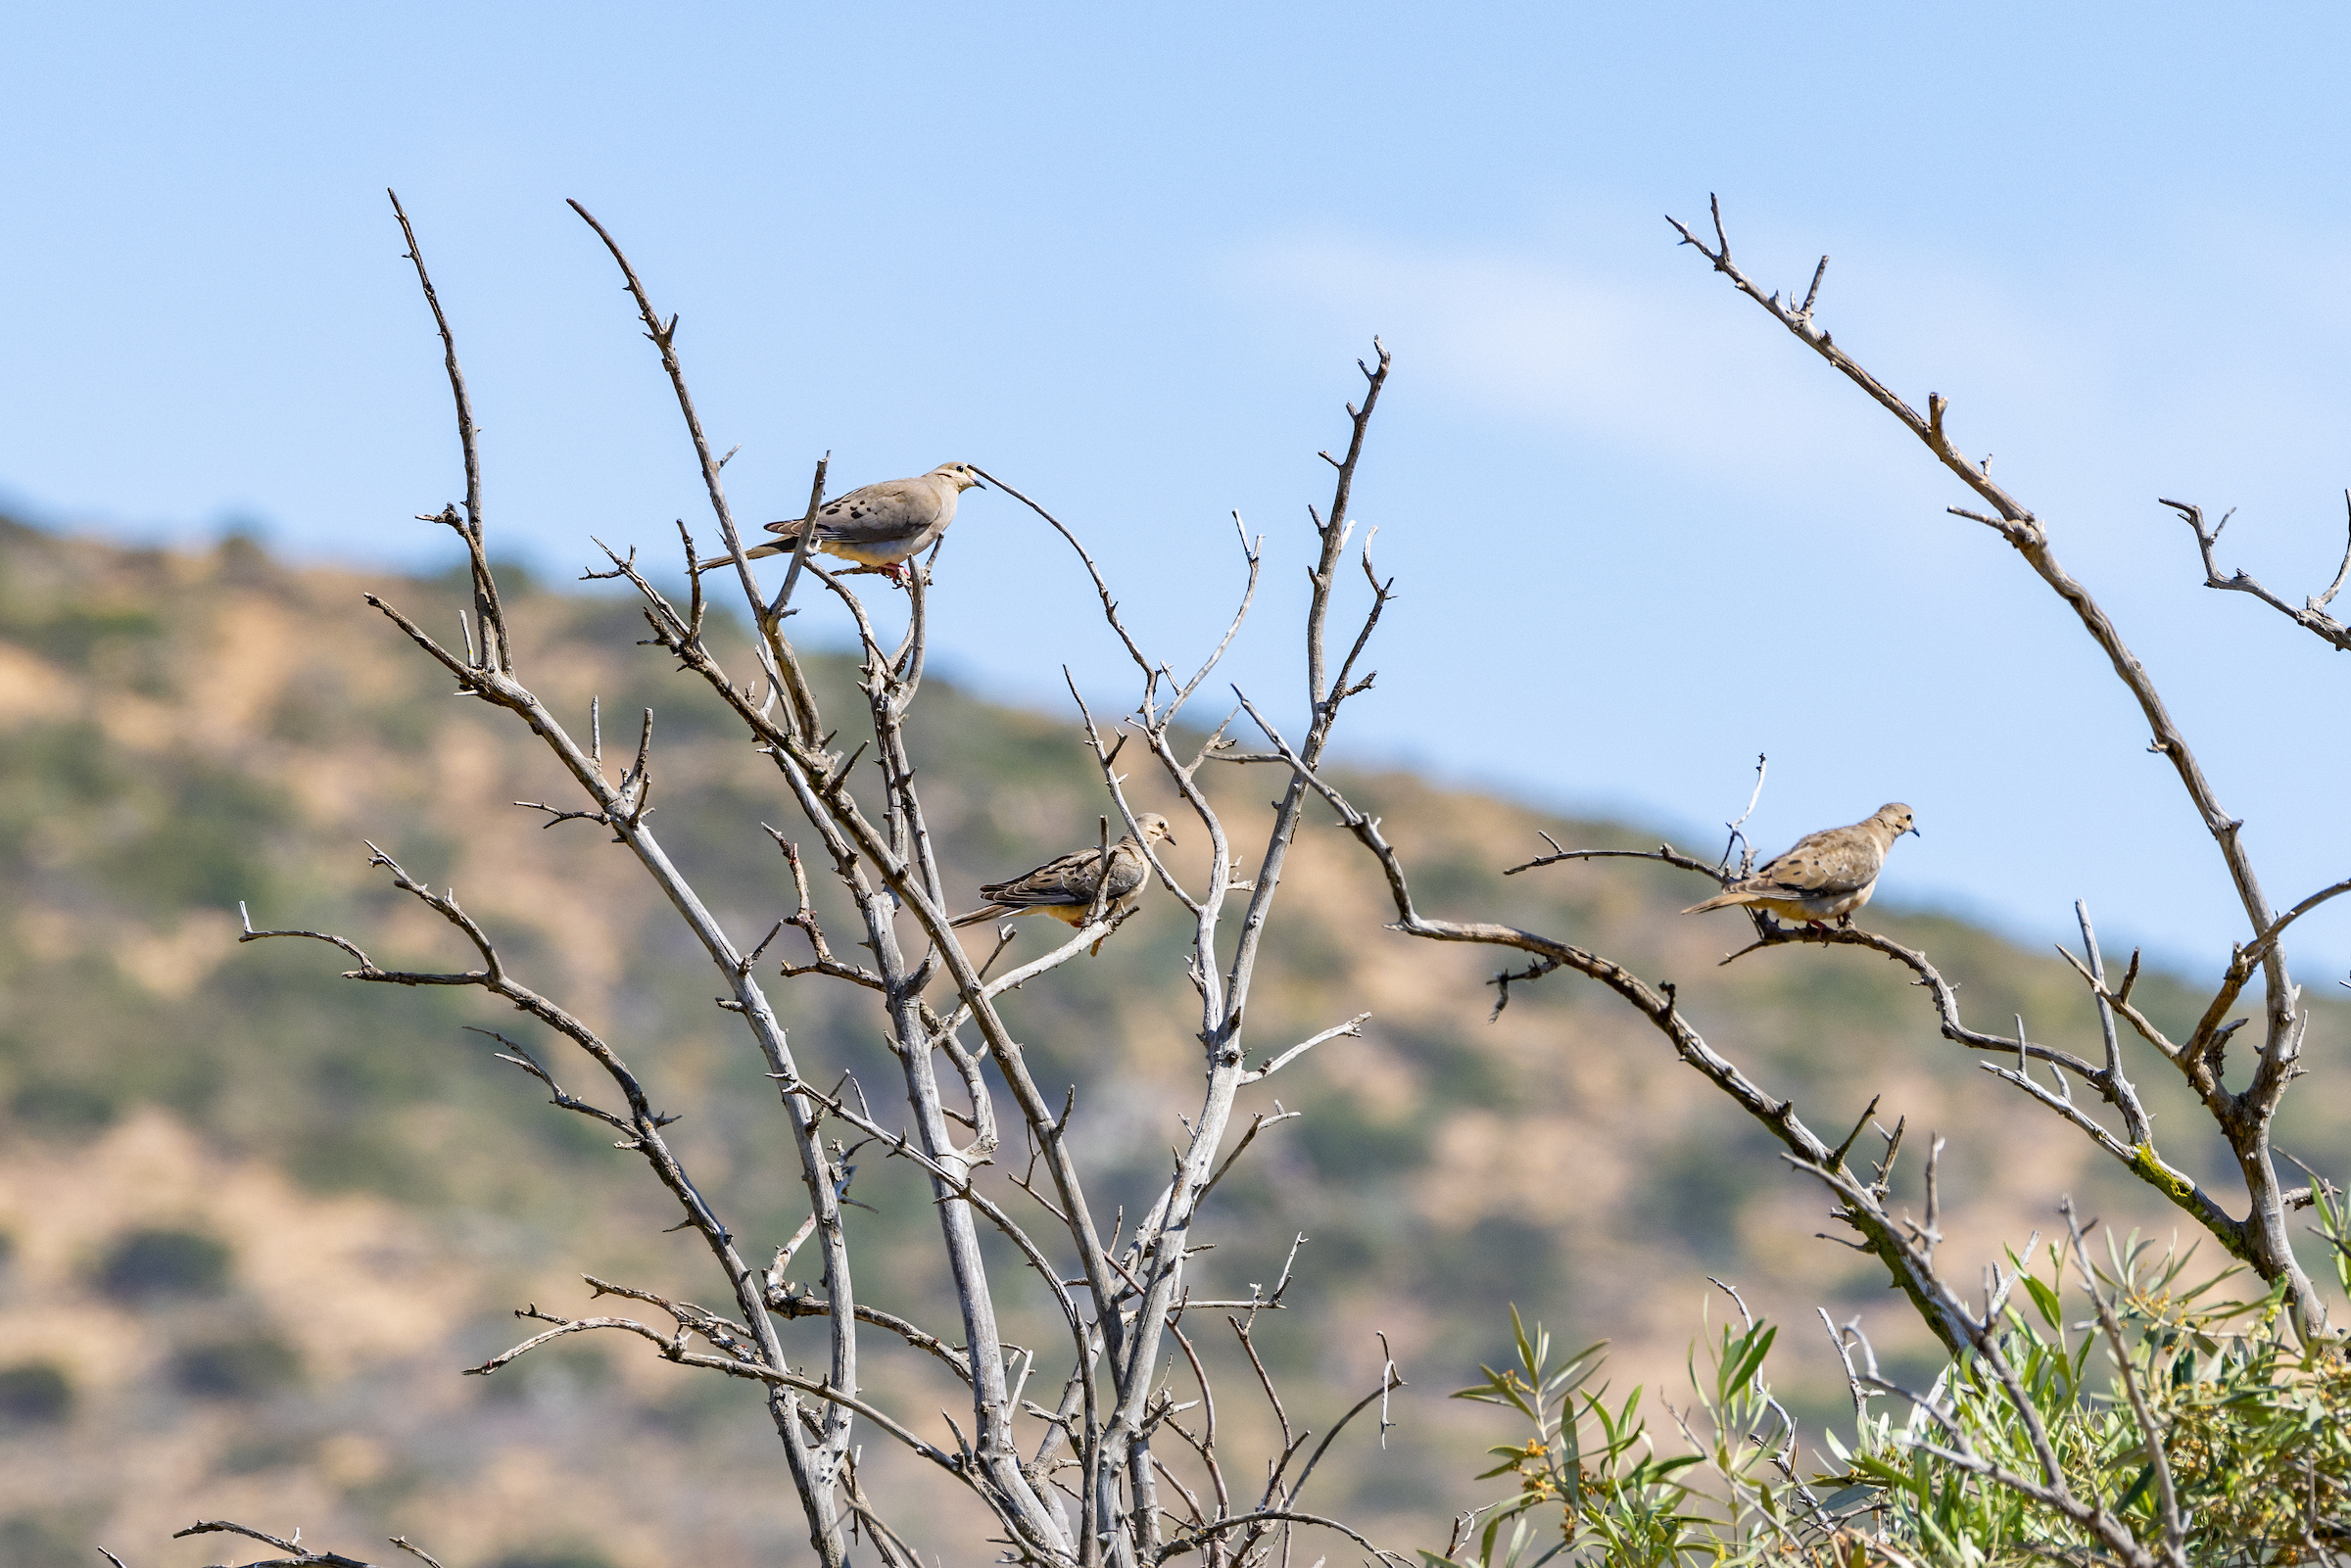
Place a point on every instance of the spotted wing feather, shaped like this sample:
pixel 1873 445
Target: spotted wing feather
pixel 1064 879
pixel 886 513
pixel 1837 860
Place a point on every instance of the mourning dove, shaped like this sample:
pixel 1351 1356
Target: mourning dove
pixel 883 524
pixel 1827 876
pixel 1066 887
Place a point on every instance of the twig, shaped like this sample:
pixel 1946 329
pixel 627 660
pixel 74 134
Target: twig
pixel 1354 1027
pixel 296 1556
pixel 1738 838
pixel 2311 615
pixel 2262 1234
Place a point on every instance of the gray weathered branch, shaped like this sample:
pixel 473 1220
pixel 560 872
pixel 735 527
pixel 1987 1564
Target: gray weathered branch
pixel 2267 1243
pixel 2310 615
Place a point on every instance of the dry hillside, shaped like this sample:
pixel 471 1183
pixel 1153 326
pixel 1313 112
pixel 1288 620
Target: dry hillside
pixel 254 1219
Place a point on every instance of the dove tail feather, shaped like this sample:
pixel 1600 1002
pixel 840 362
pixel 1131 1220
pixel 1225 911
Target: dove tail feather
pixel 986 912
pixel 1720 901
pixel 753 552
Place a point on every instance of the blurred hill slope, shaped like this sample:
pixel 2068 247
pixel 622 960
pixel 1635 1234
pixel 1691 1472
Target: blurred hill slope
pixel 256 1216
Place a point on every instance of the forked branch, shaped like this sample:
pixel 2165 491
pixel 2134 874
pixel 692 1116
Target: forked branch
pixel 2310 615
pixel 2265 1240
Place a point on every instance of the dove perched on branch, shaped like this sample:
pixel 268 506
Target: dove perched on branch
pixel 879 525
pixel 1826 876
pixel 1066 887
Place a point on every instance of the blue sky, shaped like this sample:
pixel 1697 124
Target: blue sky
pixel 1126 260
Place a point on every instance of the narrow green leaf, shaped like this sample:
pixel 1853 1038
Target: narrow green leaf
pixel 2051 1311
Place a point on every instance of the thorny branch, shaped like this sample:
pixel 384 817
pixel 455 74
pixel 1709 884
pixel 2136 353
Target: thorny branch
pixel 641 1127
pixel 487 671
pixel 2265 1242
pixel 2134 1148
pixel 294 1555
pixel 1129 1296
pixel 1657 1004
pixel 2311 614
pixel 1127 1300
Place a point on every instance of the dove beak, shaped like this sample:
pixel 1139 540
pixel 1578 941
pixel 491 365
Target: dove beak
pixel 1168 837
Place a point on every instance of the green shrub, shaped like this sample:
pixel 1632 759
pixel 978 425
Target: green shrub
pixel 34 1394
pixel 244 1366
pixel 2253 1429
pixel 51 1540
pixel 57 1108
pixel 157 1262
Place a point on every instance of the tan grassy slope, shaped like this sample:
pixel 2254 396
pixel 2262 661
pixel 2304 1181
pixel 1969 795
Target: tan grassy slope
pixel 256 1217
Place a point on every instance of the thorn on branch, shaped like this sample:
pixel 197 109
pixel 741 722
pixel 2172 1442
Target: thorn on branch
pixel 753 957
pixel 555 814
pixel 1722 236
pixel 1813 293
pixel 833 784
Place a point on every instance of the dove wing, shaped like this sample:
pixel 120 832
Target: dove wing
pixel 1128 871
pixel 1066 880
pixel 876 514
pixel 1837 860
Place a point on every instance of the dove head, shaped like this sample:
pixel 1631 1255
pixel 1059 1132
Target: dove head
pixel 1895 819
pixel 1154 826
pixel 963 476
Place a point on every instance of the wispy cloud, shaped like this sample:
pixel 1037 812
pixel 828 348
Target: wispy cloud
pixel 2102 380
pixel 2098 387
pixel 1645 359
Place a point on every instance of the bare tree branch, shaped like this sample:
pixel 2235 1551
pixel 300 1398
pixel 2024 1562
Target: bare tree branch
pixel 295 1557
pixel 1657 1005
pixel 2265 1240
pixel 495 652
pixel 871 828
pixel 1354 1027
pixel 2311 615
pixel 673 1349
